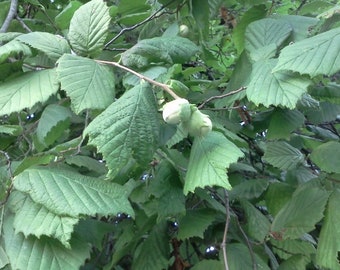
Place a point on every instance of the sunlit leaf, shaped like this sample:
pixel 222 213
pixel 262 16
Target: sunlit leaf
pixel 129 128
pixel 14 48
pixel 278 89
pixel 159 50
pixel 27 90
pixel 89 84
pixel 53 46
pixel 43 253
pixel 58 190
pixel 314 56
pixel 210 157
pixel 88 28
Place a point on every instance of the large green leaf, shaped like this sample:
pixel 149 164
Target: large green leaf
pixel 286 248
pixel 63 19
pixel 14 48
pixel 35 219
pixel 209 159
pixel 255 13
pixel 89 84
pixel 263 37
pixel 283 123
pixel 327 157
pixel 53 46
pixel 201 13
pixel 301 213
pixel 27 90
pixel 257 224
pixel 314 56
pixel 129 128
pixel 195 222
pixel 239 257
pixel 159 50
pixel 329 241
pixel 249 189
pixel 52 124
pixel 278 89
pixel 282 155
pixel 154 251
pixel 44 253
pixel 88 28
pixel 68 193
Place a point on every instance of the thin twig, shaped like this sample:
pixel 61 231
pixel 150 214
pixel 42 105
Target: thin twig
pixel 10 16
pixel 224 241
pixel 222 96
pixel 151 17
pixel 10 174
pixel 142 77
pixel 23 24
pixel 248 244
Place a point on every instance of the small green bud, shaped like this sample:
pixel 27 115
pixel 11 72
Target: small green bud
pixel 199 124
pixel 176 111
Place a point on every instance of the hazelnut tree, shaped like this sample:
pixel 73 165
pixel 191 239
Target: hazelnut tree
pixel 169 134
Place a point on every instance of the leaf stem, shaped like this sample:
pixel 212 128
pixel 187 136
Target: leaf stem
pixel 224 241
pixel 222 96
pixel 142 77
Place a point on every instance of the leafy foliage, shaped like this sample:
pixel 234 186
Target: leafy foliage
pixel 92 177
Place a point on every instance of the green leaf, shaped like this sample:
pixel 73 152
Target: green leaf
pixel 290 247
pixel 208 264
pixel 249 189
pixel 35 219
pixel 263 37
pixel 27 90
pixel 257 224
pixel 283 123
pixel 301 25
pixel 53 46
pixel 89 84
pixel 239 257
pixel 53 122
pixel 253 14
pixel 329 241
pixel 301 213
pixel 195 222
pixel 170 50
pixel 33 161
pixel 314 56
pixel 43 253
pixel 277 195
pixel 63 19
pixel 295 262
pixel 13 130
pixel 89 27
pixel 88 163
pixel 209 159
pixel 278 89
pixel 14 49
pixel 201 13
pixel 3 258
pixel 153 253
pixel 327 157
pixel 129 128
pixel 58 190
pixel 282 155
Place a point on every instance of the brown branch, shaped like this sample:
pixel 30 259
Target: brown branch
pixel 142 77
pixel 10 16
pixel 222 96
pixel 224 241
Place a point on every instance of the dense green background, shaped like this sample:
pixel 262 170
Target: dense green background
pixel 91 177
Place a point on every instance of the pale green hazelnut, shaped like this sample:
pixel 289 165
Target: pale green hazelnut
pixel 176 111
pixel 199 124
